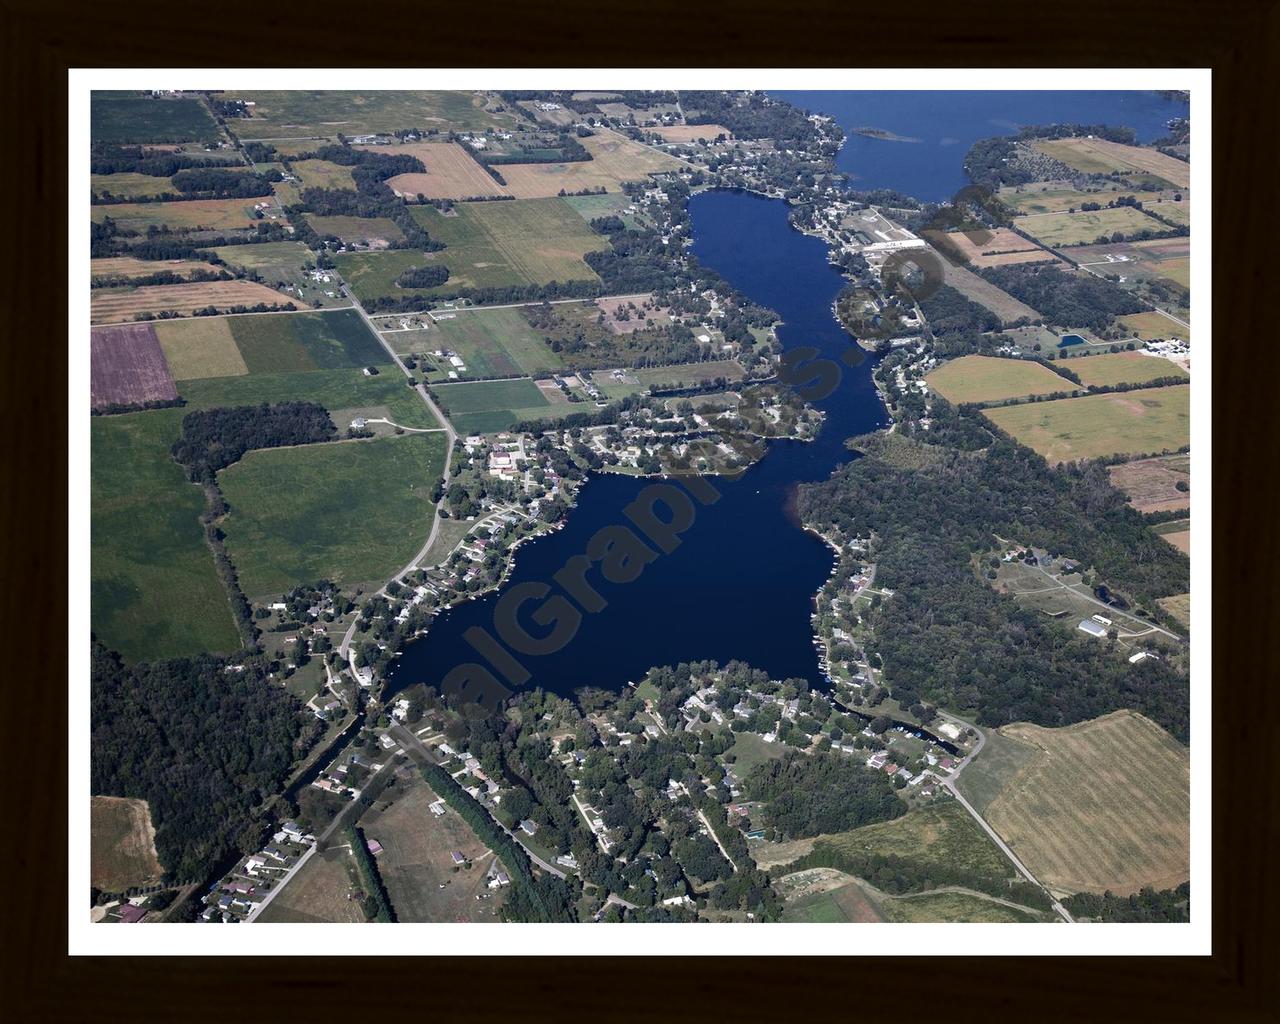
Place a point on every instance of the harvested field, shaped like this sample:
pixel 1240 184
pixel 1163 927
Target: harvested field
pixel 127 367
pixel 450 172
pixel 1137 422
pixel 200 347
pixel 1151 484
pixel 1101 156
pixel 995 248
pixel 991 379
pixel 691 132
pixel 1108 368
pixel 1087 227
pixel 1154 327
pixel 615 159
pixel 1104 804
pixel 374 231
pixel 983 292
pixel 127 266
pixel 1180 539
pixel 122 845
pixel 325 891
pixel 415 860
pixel 1179 606
pixel 185 215
pixel 119 305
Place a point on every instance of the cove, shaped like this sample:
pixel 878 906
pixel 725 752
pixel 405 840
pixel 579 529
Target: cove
pixel 741 582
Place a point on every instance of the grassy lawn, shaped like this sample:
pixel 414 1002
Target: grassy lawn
pixel 610 204
pixel 188 214
pixel 1121 368
pixel 318 893
pixel 1154 327
pixel 988 773
pixel 357 229
pixel 127 117
pixel 1143 421
pixel 132 186
pixel 948 907
pixel 154 591
pixel 350 512
pixel 1179 606
pixel 988 379
pixel 751 750
pixel 323 174
pixel 492 342
pixel 341 390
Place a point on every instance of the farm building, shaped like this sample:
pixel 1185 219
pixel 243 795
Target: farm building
pixel 1093 628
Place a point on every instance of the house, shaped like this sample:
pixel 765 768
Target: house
pixel 374 846
pixel 240 886
pixel 457 857
pixel 359 423
pixel 437 808
pixel 528 827
pixel 567 860
pixel 1142 656
pixel 877 759
pixel 950 730
pixel 129 914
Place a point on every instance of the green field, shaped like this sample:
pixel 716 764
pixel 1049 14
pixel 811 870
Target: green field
pixel 846 904
pixel 131 186
pixel 1085 228
pixel 1051 197
pixel 300 112
pixel 323 174
pixel 182 215
pixel 351 512
pixel 489 406
pixel 357 230
pixel 1154 327
pixel 1001 758
pixel 280 264
pixel 154 592
pixel 198 347
pixel 126 117
pixel 989 379
pixel 750 750
pixel 346 393
pixel 612 204
pixel 305 341
pixel 951 907
pixel 372 275
pixel 1133 422
pixel 492 342
pixel 940 833
pixel 1121 368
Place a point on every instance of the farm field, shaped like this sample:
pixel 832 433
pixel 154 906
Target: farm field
pixel 154 591
pixel 1178 211
pixel 824 895
pixel 283 114
pixel 450 173
pixel 486 407
pixel 130 185
pixel 691 132
pixel 1180 539
pixel 305 341
pixel 116 305
pixel 1002 757
pixel 1103 804
pixel 346 393
pixel 983 292
pixel 1137 422
pixel 1085 227
pixel 200 347
pixel 991 379
pixel 357 230
pixel 1059 196
pixel 1101 156
pixel 996 248
pixel 323 174
pixel 492 342
pixel 1109 368
pixel 1154 327
pixel 127 367
pixel 372 275
pixel 185 215
pixel 680 375
pixel 614 159
pixel 122 845
pixel 612 204
pixel 415 860
pixel 533 241
pixel 348 511
pixel 1179 606
pixel 319 893
pixel 128 117
pixel 128 267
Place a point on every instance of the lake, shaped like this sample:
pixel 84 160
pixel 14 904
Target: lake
pixel 740 584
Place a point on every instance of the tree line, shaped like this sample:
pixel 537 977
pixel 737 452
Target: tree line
pixel 213 439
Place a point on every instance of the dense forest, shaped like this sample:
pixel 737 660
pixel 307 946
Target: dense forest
pixel 947 637
pixel 809 795
pixel 201 744
pixel 213 439
pixel 1066 299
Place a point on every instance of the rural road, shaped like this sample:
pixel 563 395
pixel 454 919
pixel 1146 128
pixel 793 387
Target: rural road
pixel 1103 604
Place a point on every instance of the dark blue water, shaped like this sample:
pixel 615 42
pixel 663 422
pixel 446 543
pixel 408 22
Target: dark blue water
pixel 740 583
pixel 948 123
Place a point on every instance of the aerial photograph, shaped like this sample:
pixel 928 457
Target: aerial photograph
pixel 601 506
